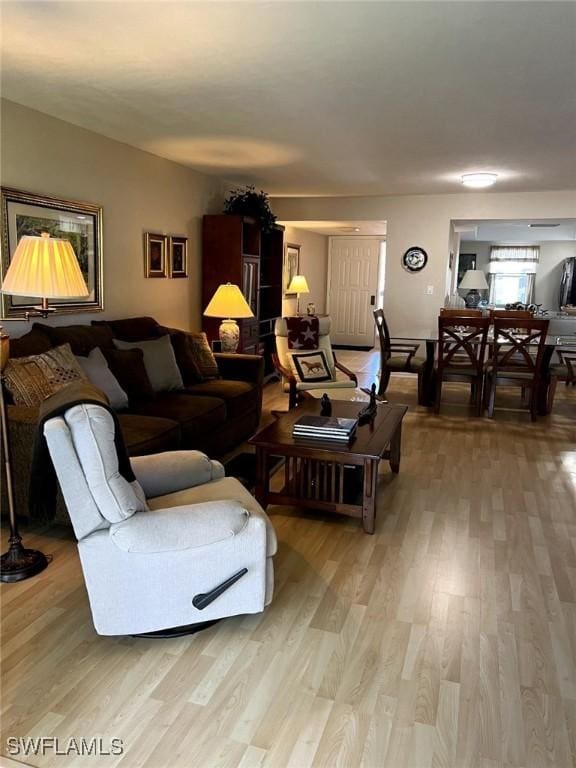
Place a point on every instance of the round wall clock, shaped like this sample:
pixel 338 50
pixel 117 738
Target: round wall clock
pixel 414 259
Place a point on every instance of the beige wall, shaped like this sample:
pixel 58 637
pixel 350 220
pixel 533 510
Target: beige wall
pixel 313 265
pixel 423 220
pixel 138 192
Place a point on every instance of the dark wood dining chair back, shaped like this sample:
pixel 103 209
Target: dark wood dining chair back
pixel 396 357
pixel 516 359
pixel 518 342
pixel 462 342
pixel 462 312
pixel 462 345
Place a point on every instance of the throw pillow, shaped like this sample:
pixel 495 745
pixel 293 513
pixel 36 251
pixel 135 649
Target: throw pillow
pixel 311 366
pixel 184 351
pixel 30 380
pixel 97 370
pixel 127 365
pixel 203 356
pixel 159 361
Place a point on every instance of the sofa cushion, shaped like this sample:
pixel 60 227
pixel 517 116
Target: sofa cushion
pixel 239 396
pixel 148 434
pixel 34 342
pixel 30 380
pixel 188 527
pixel 131 328
pixel 195 415
pixel 82 338
pixel 92 432
pixel 184 351
pixel 203 356
pixel 127 365
pixel 159 361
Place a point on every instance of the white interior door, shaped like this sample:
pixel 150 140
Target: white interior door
pixel 352 289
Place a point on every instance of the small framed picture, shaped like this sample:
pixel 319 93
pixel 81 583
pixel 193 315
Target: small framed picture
pixel 216 345
pixel 155 247
pixel 178 256
pixel 291 266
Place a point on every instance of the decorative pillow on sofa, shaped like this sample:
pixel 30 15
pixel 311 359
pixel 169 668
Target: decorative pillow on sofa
pixel 310 366
pixel 159 361
pixel 203 356
pixel 98 372
pixel 30 380
pixel 127 365
pixel 185 357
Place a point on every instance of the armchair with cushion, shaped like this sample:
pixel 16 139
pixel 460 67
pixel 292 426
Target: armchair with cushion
pixel 341 378
pixel 179 545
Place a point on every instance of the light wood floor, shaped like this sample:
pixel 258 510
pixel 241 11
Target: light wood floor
pixel 446 639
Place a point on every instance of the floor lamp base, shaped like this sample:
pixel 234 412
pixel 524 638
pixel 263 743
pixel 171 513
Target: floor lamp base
pixel 18 563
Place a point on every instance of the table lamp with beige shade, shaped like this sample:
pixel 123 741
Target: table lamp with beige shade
pixel 474 280
pixel 229 304
pixel 298 285
pixel 45 268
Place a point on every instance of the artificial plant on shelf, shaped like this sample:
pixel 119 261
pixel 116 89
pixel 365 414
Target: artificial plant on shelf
pixel 246 201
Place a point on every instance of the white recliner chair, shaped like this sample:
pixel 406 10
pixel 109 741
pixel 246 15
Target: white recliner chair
pixel 180 545
pixel 344 382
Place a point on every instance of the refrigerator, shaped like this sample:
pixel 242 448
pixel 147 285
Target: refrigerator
pixel 568 282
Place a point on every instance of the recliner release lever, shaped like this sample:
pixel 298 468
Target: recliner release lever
pixel 203 599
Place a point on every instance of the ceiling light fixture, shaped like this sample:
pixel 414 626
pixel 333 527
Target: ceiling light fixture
pixel 479 180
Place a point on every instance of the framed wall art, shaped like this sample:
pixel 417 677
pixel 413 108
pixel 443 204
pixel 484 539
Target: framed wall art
pixel 155 254
pixel 291 266
pixel 178 256
pixel 26 213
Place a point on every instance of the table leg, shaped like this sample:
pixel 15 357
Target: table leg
pixel 262 477
pixel 395 449
pixel 369 495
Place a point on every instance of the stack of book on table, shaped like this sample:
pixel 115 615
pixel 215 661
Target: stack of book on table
pixel 325 428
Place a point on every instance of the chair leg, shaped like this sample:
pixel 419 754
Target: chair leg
pixel 478 395
pixel 551 393
pixel 491 396
pixel 438 393
pixel 384 381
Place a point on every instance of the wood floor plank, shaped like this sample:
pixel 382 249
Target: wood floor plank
pixel 446 639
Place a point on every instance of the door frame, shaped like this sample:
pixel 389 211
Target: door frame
pixel 377 238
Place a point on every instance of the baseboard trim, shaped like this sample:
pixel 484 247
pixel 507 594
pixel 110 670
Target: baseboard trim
pixel 350 347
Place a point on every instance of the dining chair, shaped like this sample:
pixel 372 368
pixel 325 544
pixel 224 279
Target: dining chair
pixel 564 371
pixel 461 350
pixel 396 357
pixel 460 312
pixel 516 359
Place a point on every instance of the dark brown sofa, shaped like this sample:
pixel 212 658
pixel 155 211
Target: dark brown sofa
pixel 211 416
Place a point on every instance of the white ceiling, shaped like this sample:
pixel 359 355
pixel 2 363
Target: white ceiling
pixel 519 232
pixel 317 98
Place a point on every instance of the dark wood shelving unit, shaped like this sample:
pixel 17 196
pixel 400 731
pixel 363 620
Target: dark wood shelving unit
pixel 235 250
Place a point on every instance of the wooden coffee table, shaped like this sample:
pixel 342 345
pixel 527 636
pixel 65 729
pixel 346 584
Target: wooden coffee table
pixel 326 475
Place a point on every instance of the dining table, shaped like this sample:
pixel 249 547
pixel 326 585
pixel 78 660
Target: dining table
pixel 554 343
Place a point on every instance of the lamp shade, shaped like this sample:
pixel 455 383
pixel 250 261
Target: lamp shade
pixel 298 284
pixel 44 267
pixel 474 279
pixel 228 301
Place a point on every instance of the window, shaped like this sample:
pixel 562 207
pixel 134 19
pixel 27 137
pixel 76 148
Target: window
pixel 512 271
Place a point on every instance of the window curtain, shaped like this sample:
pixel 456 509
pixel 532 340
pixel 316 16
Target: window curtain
pixel 526 254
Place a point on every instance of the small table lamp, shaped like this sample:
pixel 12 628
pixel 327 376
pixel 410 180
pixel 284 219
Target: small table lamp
pixel 42 267
pixel 298 285
pixel 229 303
pixel 474 280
